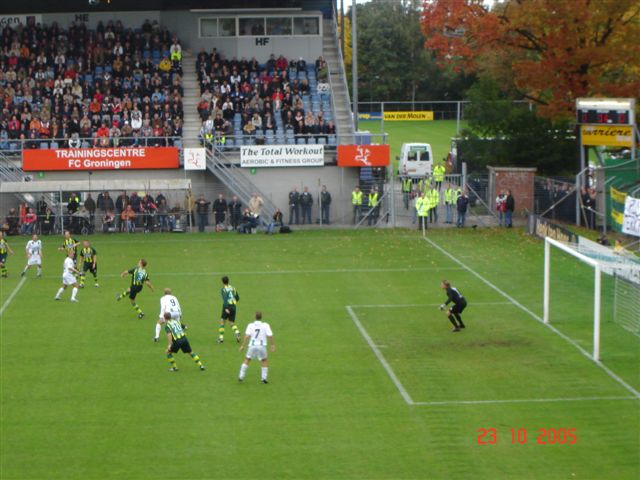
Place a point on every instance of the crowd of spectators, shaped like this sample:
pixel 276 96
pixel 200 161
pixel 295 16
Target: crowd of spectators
pixel 280 101
pixel 112 85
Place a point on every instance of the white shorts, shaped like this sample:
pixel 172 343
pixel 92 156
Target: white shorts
pixel 68 278
pixel 34 260
pixel 257 353
pixel 174 316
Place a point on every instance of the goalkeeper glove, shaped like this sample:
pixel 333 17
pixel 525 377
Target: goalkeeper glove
pixel 442 307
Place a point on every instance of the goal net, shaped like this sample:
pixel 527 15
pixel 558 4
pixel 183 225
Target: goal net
pixel 593 295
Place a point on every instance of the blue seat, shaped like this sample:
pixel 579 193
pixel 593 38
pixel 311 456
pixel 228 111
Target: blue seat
pixel 300 141
pixel 44 145
pixel 53 145
pixel 332 139
pixel 322 141
pixel 312 140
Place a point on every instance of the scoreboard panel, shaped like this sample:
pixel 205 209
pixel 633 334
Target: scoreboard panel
pixel 605 111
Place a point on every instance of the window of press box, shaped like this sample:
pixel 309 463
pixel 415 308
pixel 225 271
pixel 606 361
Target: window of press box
pixel 279 25
pixel 227 27
pixel 208 27
pixel 306 26
pixel 252 26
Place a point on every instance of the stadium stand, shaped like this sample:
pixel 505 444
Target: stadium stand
pixel 78 87
pixel 280 101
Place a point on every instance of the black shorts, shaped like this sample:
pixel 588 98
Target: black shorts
pixel 231 316
pixel 458 307
pixel 134 290
pixel 89 267
pixel 180 344
pixel 3 257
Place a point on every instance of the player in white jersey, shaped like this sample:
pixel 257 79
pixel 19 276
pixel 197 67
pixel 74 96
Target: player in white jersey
pixel 34 255
pixel 258 336
pixel 68 277
pixel 168 304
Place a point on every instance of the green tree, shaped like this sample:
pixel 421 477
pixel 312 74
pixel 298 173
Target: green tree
pixel 393 63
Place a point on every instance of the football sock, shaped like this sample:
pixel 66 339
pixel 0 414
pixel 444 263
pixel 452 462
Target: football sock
pixel 459 318
pixel 4 270
pixel 95 278
pixel 74 292
pixel 243 371
pixel 60 290
pixel 265 372
pixel 39 272
pixel 453 321
pixel 82 280
pixel 235 330
pixel 25 269
pixel 158 327
pixel 196 359
pixel 137 308
pixel 221 332
pixel 123 294
pixel 171 360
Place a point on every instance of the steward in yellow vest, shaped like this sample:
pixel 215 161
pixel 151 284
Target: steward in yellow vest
pixel 438 175
pixel 356 201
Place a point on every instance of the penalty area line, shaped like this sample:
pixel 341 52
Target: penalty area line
pixel 376 350
pixel 8 301
pixel 523 400
pixel 569 340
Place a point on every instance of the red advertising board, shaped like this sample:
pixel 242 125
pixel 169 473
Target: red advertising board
pixel 363 155
pixel 116 158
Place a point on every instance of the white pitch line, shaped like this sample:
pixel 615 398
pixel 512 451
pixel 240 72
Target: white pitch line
pixel 13 294
pixel 534 316
pixel 403 392
pixel 524 400
pixel 286 272
pixel 390 305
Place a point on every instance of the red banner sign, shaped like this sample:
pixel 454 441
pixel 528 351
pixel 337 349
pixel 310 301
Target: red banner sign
pixel 363 155
pixel 116 158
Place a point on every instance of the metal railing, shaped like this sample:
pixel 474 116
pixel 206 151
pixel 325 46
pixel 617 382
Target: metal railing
pixel 334 26
pixel 231 176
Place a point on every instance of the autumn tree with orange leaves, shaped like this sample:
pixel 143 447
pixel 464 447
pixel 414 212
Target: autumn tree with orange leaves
pixel 547 51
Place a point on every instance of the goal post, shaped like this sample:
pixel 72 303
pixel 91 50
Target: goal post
pixel 597 293
pixel 586 267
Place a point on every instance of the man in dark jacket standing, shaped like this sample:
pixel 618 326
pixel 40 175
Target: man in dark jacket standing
pixel 461 205
pixel 510 205
pixel 235 212
pixel 294 206
pixel 90 205
pixel 306 201
pixel 202 209
pixel 325 203
pixel 220 209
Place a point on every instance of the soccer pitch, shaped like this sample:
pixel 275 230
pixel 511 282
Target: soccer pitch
pixel 367 380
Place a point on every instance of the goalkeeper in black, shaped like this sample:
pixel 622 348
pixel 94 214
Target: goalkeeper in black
pixel 459 304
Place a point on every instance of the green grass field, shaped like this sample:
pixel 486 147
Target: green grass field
pixel 437 133
pixel 86 393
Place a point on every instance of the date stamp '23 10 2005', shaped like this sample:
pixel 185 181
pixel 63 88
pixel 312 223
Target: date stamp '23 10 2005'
pixel 519 436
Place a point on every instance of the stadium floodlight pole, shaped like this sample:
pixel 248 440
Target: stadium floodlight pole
pixel 354 63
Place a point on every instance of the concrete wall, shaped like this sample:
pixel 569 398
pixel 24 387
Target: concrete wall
pixel 186 25
pixel 276 183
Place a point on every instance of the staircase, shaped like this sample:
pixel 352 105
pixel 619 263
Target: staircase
pixel 10 172
pixel 192 122
pixel 338 81
pixel 230 175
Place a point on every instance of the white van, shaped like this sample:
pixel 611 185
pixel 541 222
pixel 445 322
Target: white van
pixel 416 160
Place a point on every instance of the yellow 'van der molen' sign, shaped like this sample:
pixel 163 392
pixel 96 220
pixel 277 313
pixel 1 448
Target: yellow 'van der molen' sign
pixel 398 116
pixel 607 135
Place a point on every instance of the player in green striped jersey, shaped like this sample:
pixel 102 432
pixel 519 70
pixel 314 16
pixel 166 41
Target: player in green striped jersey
pixel 69 244
pixel 5 249
pixel 139 277
pixel 178 341
pixel 230 298
pixel 89 258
